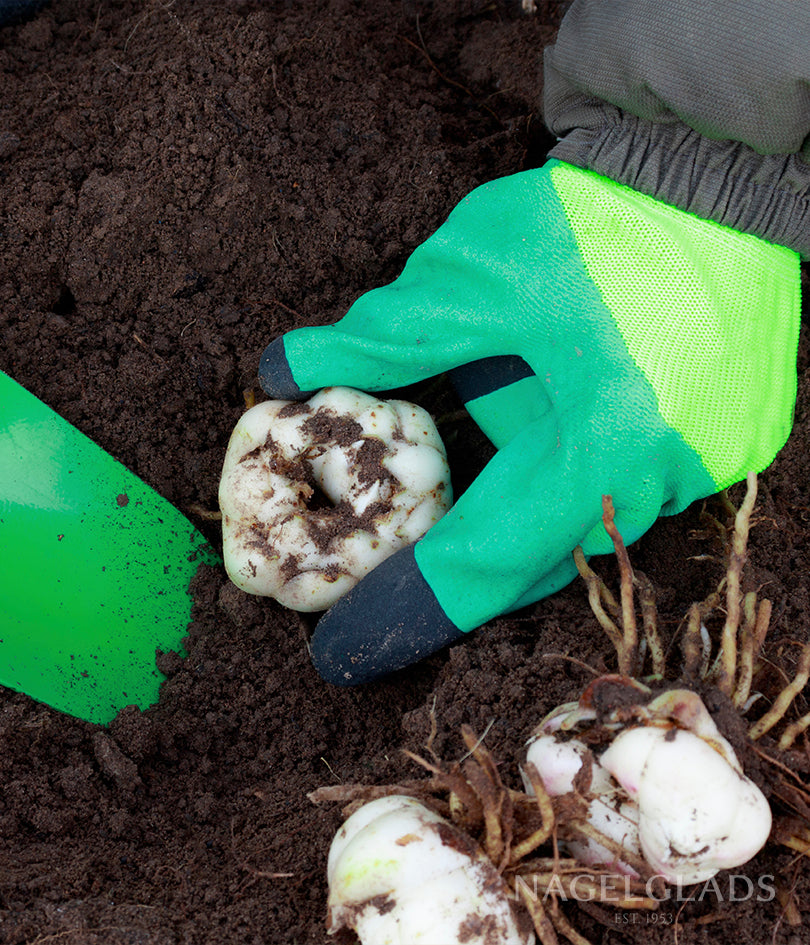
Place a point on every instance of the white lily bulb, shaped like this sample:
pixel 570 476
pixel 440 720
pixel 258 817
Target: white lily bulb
pixel 698 814
pixel 558 763
pixel 380 464
pixel 399 874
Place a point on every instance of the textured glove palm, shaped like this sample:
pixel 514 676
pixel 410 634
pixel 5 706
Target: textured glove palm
pixel 658 366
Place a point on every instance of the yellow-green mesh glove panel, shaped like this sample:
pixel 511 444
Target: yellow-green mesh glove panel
pixel 696 332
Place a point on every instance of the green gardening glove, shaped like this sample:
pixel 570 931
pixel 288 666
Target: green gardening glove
pixel 605 342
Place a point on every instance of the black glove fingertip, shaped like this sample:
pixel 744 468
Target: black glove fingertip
pixel 390 620
pixel 275 374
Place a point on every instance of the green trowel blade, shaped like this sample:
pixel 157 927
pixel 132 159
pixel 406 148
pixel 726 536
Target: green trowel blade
pixel 94 567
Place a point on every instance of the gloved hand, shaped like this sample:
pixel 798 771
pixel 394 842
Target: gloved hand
pixel 605 342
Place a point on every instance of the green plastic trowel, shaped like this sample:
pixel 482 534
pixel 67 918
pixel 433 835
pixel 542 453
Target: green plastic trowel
pixel 94 567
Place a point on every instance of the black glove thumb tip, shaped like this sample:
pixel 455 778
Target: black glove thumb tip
pixel 390 620
pixel 333 666
pixel 275 374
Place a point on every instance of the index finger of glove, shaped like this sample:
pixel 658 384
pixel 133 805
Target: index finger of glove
pixel 464 294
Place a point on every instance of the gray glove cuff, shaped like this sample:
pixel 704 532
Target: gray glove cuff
pixel 724 181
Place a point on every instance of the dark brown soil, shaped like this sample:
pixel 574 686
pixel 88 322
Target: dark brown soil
pixel 180 182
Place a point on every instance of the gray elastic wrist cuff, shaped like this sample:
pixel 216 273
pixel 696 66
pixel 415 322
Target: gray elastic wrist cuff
pixel 725 181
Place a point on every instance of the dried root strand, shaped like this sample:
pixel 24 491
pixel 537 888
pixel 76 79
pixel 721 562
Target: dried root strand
pixel 757 621
pixel 573 880
pixel 737 557
pixel 564 927
pixel 784 699
pixel 536 839
pixel 697 645
pixel 741 645
pixel 794 834
pixel 466 806
pixel 792 732
pixel 597 595
pixel 628 652
pixel 357 794
pixel 495 801
pixel 786 897
pixel 692 645
pixel 590 832
pixel 619 620
pixel 548 922
pixel 743 636
pixel 789 789
pixel 649 616
pixel 542 923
